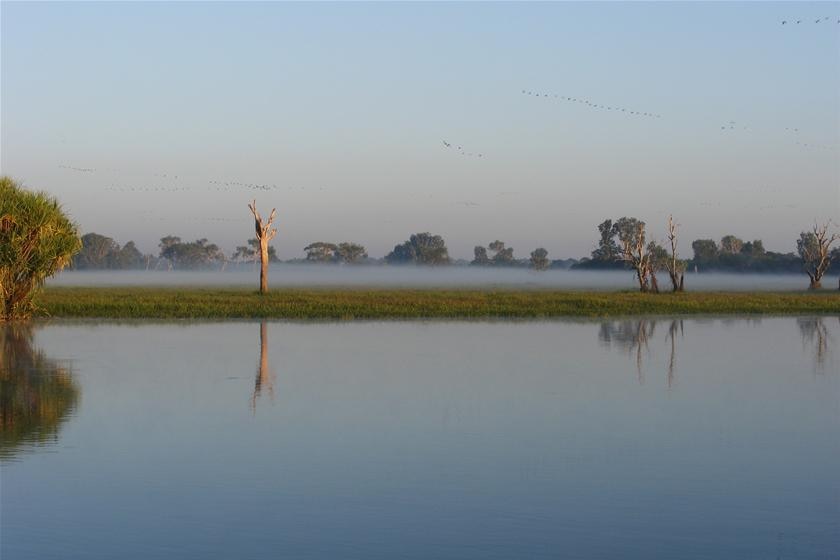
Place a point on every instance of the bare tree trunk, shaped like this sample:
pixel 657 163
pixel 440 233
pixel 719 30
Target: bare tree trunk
pixel 263 266
pixel 265 233
pixel 653 283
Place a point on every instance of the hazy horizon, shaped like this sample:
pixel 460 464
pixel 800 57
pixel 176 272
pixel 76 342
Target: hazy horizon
pixel 132 114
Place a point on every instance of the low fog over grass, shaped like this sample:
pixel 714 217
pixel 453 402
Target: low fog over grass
pixel 286 275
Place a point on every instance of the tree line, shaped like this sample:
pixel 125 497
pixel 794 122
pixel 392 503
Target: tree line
pixel 624 244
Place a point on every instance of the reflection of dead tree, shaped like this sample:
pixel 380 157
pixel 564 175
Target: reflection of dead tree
pixel 633 336
pixel 676 325
pixel 264 378
pixel 814 331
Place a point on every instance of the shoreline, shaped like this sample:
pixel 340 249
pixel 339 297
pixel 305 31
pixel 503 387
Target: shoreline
pixel 350 303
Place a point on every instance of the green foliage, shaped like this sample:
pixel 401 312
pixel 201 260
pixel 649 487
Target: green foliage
pixel 421 249
pixel 607 251
pixel 36 241
pixel 100 252
pixel 502 256
pixel 320 252
pixel 196 254
pixel 345 252
pixel 481 258
pixel 539 259
pixel 705 251
pixel 350 253
pixel 171 303
pixel 729 244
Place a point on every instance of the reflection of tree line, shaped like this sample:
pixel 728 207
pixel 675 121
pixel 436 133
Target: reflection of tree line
pixel 634 336
pixel 36 393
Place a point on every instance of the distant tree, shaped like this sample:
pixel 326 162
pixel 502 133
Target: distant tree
pixel 196 254
pixel 814 248
pixel 607 250
pixel 481 258
pixel 321 252
pixel 422 249
pixel 244 253
pixel 539 259
pixel 265 233
pixel 705 251
pixel 753 248
pixel 634 249
pixel 130 257
pixel 37 240
pixel 501 256
pixel 673 264
pixel 350 253
pixel 731 245
pixel 97 251
pixel 168 247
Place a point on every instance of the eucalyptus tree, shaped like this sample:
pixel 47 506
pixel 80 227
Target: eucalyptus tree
pixel 37 240
pixel 321 251
pixel 350 253
pixel 502 256
pixel 539 259
pixel 814 248
pixel 634 250
pixel 481 258
pixel 422 249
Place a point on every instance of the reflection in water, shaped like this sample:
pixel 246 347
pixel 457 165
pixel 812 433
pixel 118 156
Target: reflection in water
pixel 36 393
pixel 264 378
pixel 675 326
pixel 634 336
pixel 815 332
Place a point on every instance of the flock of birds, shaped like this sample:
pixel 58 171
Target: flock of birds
pixel 593 105
pixel 460 150
pixel 798 21
pixel 251 186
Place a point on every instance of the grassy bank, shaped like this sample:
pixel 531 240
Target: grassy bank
pixel 232 303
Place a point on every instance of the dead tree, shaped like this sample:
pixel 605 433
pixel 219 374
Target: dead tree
pixel 676 267
pixel 814 249
pixel 265 233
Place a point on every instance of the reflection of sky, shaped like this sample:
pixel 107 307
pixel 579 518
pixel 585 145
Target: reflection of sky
pixel 345 107
pixel 435 440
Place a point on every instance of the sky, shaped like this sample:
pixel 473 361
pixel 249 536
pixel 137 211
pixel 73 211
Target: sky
pixel 131 114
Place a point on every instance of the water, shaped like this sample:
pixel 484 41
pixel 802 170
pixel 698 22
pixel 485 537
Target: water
pixel 652 438
pixel 402 276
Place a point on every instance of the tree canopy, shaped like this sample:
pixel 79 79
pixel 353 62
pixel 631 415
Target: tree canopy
pixel 422 249
pixel 37 240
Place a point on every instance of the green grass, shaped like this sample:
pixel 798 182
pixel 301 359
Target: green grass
pixel 232 303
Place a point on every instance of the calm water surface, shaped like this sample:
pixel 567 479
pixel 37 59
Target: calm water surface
pixel 665 438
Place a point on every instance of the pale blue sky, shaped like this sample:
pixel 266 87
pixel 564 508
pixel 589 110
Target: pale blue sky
pixel 344 107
